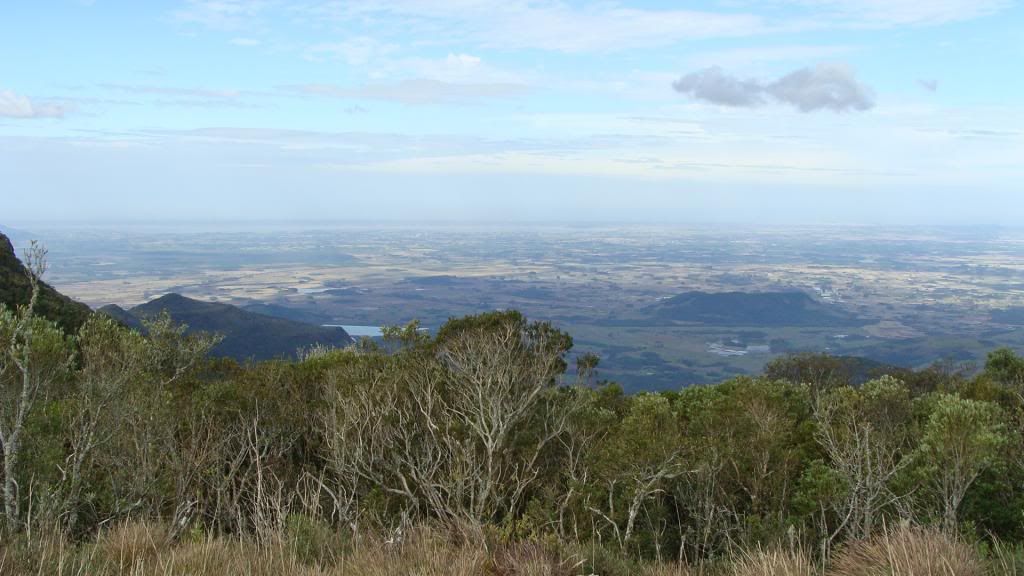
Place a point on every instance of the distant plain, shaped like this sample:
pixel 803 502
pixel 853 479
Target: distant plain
pixel 917 294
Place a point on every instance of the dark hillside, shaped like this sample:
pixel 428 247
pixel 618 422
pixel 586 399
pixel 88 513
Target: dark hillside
pixel 121 315
pixel 303 315
pixel 15 290
pixel 247 335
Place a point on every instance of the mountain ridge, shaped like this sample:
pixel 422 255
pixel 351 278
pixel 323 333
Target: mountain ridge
pixel 246 334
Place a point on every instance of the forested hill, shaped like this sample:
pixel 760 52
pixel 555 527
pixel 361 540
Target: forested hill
pixel 751 309
pixel 247 335
pixel 15 290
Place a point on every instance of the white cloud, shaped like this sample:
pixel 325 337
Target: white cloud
pixel 173 91
pixel 416 91
pixel 544 25
pixel 188 97
pixel 357 51
pixel 757 56
pixel 454 68
pixel 612 26
pixel 14 105
pixel 382 61
pixel 245 42
pixel 221 14
pixel 886 13
pixel 555 25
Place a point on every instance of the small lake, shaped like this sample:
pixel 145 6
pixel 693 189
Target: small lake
pixel 358 331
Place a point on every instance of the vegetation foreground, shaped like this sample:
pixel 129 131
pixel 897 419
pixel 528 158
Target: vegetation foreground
pixel 469 452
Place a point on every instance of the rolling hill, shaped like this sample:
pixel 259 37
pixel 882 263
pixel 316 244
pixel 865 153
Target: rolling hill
pixel 247 335
pixel 750 309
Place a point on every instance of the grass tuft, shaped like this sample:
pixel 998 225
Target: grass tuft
pixel 908 551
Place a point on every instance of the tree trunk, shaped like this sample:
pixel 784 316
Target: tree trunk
pixel 10 485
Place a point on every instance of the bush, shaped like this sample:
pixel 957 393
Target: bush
pixel 312 541
pixel 596 559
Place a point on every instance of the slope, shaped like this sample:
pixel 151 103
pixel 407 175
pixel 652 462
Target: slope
pixel 15 290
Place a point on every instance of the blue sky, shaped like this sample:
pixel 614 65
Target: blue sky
pixel 775 111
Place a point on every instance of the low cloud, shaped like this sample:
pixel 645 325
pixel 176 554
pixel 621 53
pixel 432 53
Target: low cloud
pixel 14 105
pixel 823 87
pixel 195 97
pixel 172 91
pixel 714 85
pixel 929 84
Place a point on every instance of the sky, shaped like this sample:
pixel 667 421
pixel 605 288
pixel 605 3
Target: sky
pixel 769 111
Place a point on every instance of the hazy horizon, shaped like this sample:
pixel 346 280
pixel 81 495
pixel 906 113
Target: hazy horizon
pixel 227 224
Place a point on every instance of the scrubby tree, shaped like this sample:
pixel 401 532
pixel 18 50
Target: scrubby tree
pixel 819 371
pixel 865 434
pixel 1006 367
pixel 749 438
pixel 961 439
pixel 112 359
pixel 34 359
pixel 586 368
pixel 455 427
pixel 143 452
pixel 639 456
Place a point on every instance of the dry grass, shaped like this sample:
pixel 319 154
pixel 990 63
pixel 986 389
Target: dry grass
pixel 908 551
pixel 423 552
pixel 139 549
pixel 142 549
pixel 532 559
pixel 773 563
pixel 669 570
pixel 1006 560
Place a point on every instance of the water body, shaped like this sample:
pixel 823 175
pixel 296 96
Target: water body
pixel 358 331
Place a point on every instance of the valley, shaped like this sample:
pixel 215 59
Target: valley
pixel 907 296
